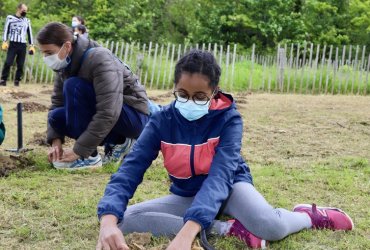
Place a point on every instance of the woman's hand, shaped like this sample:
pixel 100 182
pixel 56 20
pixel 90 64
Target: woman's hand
pixel 69 156
pixel 55 151
pixel 110 237
pixel 185 237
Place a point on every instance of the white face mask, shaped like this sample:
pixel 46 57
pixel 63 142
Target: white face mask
pixel 74 24
pixel 55 63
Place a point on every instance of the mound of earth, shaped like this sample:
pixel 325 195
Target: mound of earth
pixel 47 92
pixel 39 139
pixel 165 95
pixel 20 95
pixel 161 97
pixel 33 107
pixel 9 164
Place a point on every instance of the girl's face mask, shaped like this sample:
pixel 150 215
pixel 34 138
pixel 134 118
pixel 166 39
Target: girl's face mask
pixel 191 110
pixel 55 63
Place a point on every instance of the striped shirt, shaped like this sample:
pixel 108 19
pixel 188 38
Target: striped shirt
pixel 16 29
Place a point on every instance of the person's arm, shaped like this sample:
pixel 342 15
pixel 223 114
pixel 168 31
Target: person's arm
pixel 29 33
pixel 216 188
pixel 185 237
pixel 124 182
pixel 6 29
pixel 108 86
pixel 56 101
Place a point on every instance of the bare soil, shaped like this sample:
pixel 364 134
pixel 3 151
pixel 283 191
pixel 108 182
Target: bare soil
pixel 33 107
pixel 39 139
pixel 20 95
pixel 46 92
pixel 278 128
pixel 10 164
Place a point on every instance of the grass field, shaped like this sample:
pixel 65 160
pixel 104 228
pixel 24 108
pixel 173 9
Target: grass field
pixel 301 149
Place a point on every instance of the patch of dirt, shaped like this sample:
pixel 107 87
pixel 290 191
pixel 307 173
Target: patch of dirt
pixel 20 95
pixel 39 139
pixel 47 92
pixel 33 107
pixel 9 164
pixel 155 99
pixel 241 101
pixel 365 123
pixel 165 95
pixel 161 97
pixel 294 130
pixel 141 241
pixel 241 98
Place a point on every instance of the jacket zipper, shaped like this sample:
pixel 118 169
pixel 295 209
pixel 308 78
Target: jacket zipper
pixel 192 161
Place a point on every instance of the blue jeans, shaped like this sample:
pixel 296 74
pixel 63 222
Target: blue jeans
pixel 79 108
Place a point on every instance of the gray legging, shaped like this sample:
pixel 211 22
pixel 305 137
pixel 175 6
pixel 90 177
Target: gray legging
pixel 164 216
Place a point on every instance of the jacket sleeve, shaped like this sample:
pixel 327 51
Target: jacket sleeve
pixel 108 85
pixel 29 32
pixel 216 188
pixel 6 29
pixel 123 184
pixel 56 101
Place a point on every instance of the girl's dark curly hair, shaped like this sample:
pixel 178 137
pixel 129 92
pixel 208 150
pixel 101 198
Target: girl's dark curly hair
pixel 198 61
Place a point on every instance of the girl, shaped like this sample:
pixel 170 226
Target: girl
pixel 199 135
pixel 96 100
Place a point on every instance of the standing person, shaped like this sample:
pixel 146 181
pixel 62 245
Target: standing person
pixel 76 21
pixel 199 135
pixel 16 28
pixel 97 100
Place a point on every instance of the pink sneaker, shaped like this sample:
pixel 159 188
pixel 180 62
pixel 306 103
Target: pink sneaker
pixel 326 217
pixel 239 231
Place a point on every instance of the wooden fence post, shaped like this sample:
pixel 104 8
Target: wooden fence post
pixel 252 66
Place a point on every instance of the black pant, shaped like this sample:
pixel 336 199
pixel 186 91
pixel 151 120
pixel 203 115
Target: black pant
pixel 19 50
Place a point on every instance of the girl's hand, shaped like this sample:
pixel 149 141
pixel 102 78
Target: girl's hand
pixel 110 237
pixel 185 237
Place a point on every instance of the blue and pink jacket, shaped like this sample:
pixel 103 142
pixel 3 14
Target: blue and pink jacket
pixel 202 158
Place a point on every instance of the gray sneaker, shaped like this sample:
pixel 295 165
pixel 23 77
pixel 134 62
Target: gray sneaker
pixel 87 163
pixel 116 152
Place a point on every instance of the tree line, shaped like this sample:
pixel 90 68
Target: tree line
pixel 244 22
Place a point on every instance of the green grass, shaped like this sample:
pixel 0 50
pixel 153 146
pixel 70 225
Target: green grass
pixel 297 151
pixel 47 205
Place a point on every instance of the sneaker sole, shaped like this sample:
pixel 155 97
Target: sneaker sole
pixel 340 210
pixel 263 244
pixel 94 166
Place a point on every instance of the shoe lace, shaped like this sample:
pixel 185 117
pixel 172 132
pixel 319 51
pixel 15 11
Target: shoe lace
pixel 321 221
